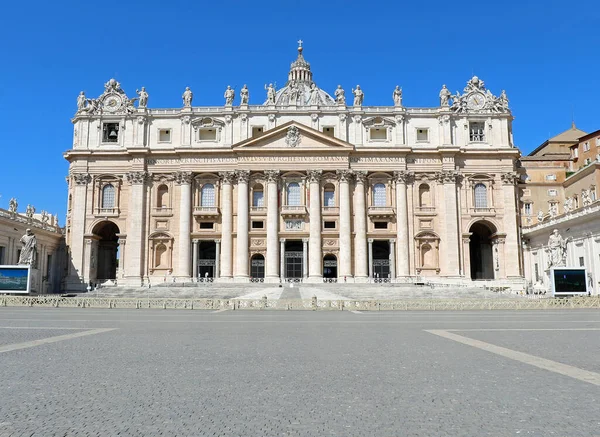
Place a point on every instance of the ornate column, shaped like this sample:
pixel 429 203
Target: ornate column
pixel 402 179
pixel 511 229
pixel 305 258
pixel 272 260
pixel 315 245
pixel 451 241
pixel 217 258
pixel 282 259
pixel 195 259
pixel 122 256
pixel 345 267
pixel 79 182
pixel 135 227
pixel 227 223
pixel 241 254
pixel 466 240
pixel 361 269
pixel 370 259
pixel 184 180
pixel 392 259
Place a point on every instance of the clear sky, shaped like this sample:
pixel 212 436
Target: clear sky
pixel 545 54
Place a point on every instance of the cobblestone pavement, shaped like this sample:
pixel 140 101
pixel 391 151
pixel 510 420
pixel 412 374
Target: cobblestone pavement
pixel 230 373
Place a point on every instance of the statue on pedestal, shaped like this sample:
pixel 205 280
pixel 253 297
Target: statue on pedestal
pixel 557 249
pixel 229 96
pixel 244 95
pixel 397 96
pixel 553 210
pixel 29 211
pixel 45 218
pixel 29 249
pixel 81 101
pixel 568 206
pixel 314 95
pixel 13 205
pixel 540 216
pixel 270 94
pixel 340 95
pixel 586 199
pixel 187 97
pixel 445 96
pixel 143 97
pixel 359 96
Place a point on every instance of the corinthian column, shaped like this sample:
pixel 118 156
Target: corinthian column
pixel 360 226
pixel 226 224
pixel 402 179
pixel 241 254
pixel 449 179
pixel 135 227
pixel 272 267
pixel 79 182
pixel 511 262
pixel 345 269
pixel 184 180
pixel 315 265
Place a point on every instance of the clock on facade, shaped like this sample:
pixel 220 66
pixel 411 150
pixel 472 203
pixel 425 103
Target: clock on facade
pixel 112 103
pixel 475 101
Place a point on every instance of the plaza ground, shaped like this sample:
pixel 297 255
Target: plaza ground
pixel 93 372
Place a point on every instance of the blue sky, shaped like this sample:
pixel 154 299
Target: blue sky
pixel 543 53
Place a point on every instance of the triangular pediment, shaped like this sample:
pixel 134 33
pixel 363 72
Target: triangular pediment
pixel 293 137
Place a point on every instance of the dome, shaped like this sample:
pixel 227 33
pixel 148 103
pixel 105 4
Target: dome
pixel 300 90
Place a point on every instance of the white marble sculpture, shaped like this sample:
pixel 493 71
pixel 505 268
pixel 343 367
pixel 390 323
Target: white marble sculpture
pixel 540 216
pixel 13 205
pixel 359 96
pixel 187 97
pixel 397 96
pixel 314 95
pixel 445 96
pixel 270 94
pixel 586 199
pixel 568 205
pixel 29 211
pixel 143 97
pixel 81 101
pixel 28 250
pixel 340 95
pixel 229 96
pixel 557 250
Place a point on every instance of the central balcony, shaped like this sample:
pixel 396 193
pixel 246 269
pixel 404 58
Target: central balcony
pixel 381 211
pixel 293 211
pixel 162 212
pixel 206 211
pixel 483 212
pixel 331 210
pixel 106 212
pixel 258 210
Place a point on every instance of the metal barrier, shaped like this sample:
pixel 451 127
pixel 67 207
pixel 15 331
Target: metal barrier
pixel 302 304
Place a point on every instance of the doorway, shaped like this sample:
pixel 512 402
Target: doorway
pixel 108 250
pixel 257 267
pixel 381 260
pixel 293 259
pixel 480 251
pixel 330 267
pixel 207 251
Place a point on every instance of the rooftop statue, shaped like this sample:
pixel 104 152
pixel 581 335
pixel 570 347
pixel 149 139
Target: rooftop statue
pixel 143 96
pixel 187 97
pixel 81 101
pixel 229 96
pixel 359 96
pixel 13 205
pixel 445 96
pixel 314 95
pixel 340 95
pixel 270 94
pixel 244 95
pixel 397 96
pixel 29 211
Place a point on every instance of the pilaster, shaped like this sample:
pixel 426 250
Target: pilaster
pixel 361 269
pixel 272 259
pixel 227 224
pixel 315 246
pixel 184 180
pixel 241 254
pixel 345 267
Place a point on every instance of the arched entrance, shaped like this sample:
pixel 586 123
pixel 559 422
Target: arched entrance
pixel 480 251
pixel 108 250
pixel 330 267
pixel 257 267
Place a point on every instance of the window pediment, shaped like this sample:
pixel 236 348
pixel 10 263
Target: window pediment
pixel 207 122
pixel 378 122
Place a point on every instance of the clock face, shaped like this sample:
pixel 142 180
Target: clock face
pixel 112 103
pixel 476 101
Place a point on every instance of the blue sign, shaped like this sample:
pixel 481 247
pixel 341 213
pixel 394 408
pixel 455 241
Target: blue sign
pixel 14 279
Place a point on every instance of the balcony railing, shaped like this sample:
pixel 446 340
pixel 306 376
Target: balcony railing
pixel 106 212
pixel 331 210
pixel 482 211
pixel 293 210
pixel 162 211
pixel 425 209
pixel 258 210
pixel 206 211
pixel 381 211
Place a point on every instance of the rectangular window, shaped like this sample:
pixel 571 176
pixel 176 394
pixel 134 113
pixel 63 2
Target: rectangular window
pixel 581 262
pixel 329 225
pixel 476 131
pixel 527 208
pixel 552 193
pixel 423 135
pixel 2 252
pixel 329 131
pixel 258 198
pixel 257 131
pixel 586 146
pixel 380 225
pixel 164 135
pixel 328 198
pixel 593 193
pixel 258 224
pixel 576 152
pixel 378 134
pixel 598 142
pixel 207 225
pixel 207 134
pixel 110 132
pixel 550 177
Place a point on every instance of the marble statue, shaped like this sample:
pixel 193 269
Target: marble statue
pixel 187 97
pixel 244 95
pixel 340 95
pixel 540 216
pixel 293 93
pixel 29 211
pixel 28 251
pixel 586 199
pixel 568 205
pixel 397 96
pixel 553 210
pixel 229 96
pixel 143 96
pixel 557 249
pixel 314 95
pixel 270 94
pixel 359 96
pixel 45 217
pixel 445 96
pixel 503 101
pixel 81 101
pixel 13 205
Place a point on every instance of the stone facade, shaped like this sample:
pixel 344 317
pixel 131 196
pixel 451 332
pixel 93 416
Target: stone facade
pixel 300 187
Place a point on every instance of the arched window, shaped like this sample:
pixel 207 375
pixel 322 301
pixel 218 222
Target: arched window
pixel 207 195
pixel 329 195
pixel 379 195
pixel 424 195
pixel 108 196
pixel 481 196
pixel 293 194
pixel 258 196
pixel 162 197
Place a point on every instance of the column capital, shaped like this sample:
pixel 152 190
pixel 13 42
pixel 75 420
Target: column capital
pixel 392 241
pixel 305 240
pixel 227 177
pixel 344 175
pixel 511 178
pixel 272 175
pixel 282 240
pixel 81 178
pixel 370 240
pixel 448 177
pixel 314 176
pixel 361 176
pixel 243 176
pixel 137 177
pixel 195 241
pixel 183 177
pixel 404 177
pixel 218 241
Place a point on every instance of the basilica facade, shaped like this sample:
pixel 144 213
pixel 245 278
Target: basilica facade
pixel 305 186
